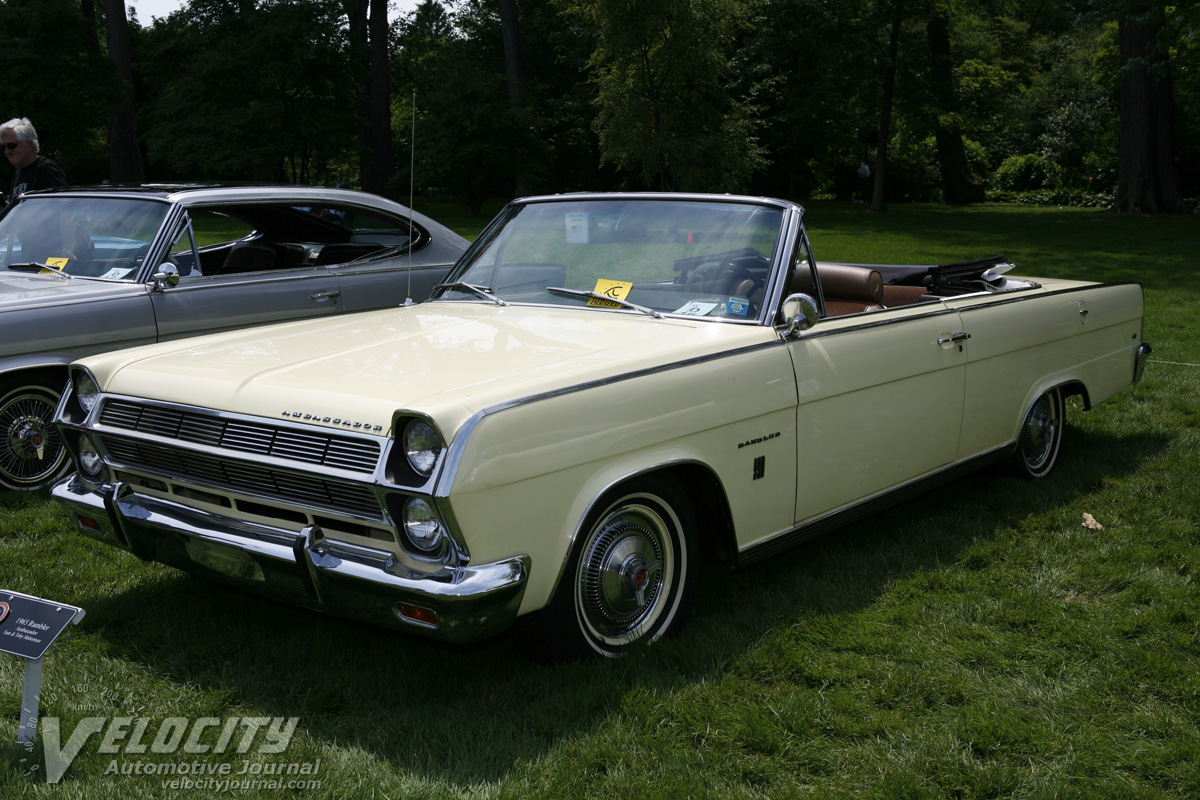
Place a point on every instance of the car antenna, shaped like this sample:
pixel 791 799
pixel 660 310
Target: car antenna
pixel 412 167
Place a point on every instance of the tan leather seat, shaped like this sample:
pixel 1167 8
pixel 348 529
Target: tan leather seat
pixel 850 290
pixel 902 295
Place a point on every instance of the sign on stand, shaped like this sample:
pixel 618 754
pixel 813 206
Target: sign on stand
pixel 28 626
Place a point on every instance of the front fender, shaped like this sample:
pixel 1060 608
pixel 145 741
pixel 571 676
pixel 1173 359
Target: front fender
pixel 527 474
pixel 35 362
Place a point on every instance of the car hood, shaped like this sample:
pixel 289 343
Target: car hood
pixel 30 290
pixel 446 359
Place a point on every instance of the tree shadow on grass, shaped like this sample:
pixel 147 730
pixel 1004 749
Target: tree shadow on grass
pixel 466 715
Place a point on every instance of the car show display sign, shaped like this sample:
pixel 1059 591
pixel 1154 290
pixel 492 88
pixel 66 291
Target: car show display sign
pixel 28 626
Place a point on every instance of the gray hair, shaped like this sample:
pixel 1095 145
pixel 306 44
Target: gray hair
pixel 22 128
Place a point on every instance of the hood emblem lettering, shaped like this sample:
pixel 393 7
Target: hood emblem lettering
pixel 345 423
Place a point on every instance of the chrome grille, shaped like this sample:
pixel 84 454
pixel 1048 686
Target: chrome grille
pixel 310 447
pixel 310 491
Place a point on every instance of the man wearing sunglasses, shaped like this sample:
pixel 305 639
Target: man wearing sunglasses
pixel 31 171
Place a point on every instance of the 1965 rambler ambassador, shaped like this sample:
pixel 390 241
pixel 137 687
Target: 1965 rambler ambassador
pixel 607 389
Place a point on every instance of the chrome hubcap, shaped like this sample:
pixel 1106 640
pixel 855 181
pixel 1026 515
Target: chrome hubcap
pixel 1041 429
pixel 622 578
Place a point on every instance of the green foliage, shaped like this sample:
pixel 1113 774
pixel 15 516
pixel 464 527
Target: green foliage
pixel 817 103
pixel 54 74
pixel 665 112
pixel 1025 173
pixel 1063 198
pixel 778 97
pixel 467 130
pixel 264 96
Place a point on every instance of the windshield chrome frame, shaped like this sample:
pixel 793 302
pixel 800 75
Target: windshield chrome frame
pixel 790 228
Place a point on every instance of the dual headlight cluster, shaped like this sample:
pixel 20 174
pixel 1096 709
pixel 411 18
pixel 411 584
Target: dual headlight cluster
pixel 422 526
pixel 87 393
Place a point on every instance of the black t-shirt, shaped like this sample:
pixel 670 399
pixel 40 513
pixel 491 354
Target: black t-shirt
pixel 42 173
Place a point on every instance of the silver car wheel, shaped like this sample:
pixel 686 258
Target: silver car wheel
pixel 1041 435
pixel 633 574
pixel 31 454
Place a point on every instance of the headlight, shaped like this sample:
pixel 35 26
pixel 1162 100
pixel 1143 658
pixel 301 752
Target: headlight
pixel 422 526
pixel 422 446
pixel 86 390
pixel 89 457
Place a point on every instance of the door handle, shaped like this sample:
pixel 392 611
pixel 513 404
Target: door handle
pixel 334 295
pixel 953 338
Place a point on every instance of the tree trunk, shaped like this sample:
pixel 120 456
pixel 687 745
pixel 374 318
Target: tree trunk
pixel 360 69
pixel 1146 175
pixel 958 184
pixel 510 31
pixel 885 112
pixel 124 158
pixel 380 137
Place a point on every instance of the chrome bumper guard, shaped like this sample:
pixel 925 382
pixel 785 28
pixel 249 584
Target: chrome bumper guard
pixel 1140 356
pixel 470 602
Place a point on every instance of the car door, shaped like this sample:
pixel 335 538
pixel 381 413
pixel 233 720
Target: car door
pixel 376 268
pixel 212 299
pixel 880 401
pixel 386 282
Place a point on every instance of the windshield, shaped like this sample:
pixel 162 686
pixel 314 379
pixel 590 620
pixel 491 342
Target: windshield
pixel 99 237
pixel 684 257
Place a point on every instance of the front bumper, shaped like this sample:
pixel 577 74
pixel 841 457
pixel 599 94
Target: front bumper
pixel 457 604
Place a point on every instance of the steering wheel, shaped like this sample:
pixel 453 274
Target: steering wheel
pixel 733 279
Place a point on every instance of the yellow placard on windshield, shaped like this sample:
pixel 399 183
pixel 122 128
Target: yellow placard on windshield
pixel 618 290
pixel 61 263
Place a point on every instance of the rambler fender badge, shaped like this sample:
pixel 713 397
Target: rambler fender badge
pixel 760 440
pixel 345 423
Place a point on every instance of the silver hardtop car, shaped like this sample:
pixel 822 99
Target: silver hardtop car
pixel 88 270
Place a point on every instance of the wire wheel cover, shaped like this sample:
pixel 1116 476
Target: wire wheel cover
pixel 31 450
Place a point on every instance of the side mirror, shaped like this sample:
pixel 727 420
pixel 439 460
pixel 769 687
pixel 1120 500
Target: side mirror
pixel 167 275
pixel 799 314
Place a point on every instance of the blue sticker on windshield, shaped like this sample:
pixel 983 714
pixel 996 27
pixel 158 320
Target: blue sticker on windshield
pixel 738 306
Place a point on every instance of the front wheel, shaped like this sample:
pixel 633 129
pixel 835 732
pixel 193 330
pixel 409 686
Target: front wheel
pixel 1041 436
pixel 629 581
pixel 31 454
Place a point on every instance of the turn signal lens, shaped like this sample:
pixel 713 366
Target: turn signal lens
pixel 417 614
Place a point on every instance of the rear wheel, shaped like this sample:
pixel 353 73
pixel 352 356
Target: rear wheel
pixel 629 581
pixel 1041 436
pixel 31 454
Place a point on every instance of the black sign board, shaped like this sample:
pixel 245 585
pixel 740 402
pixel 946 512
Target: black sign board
pixel 28 625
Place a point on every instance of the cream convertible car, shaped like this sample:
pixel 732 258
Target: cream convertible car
pixel 609 388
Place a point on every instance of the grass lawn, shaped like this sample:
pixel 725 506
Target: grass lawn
pixel 976 642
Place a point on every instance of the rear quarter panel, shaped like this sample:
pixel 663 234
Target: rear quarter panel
pixel 1024 345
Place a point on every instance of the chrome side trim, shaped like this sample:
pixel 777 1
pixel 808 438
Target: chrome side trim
pixel 1022 295
pixel 454 450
